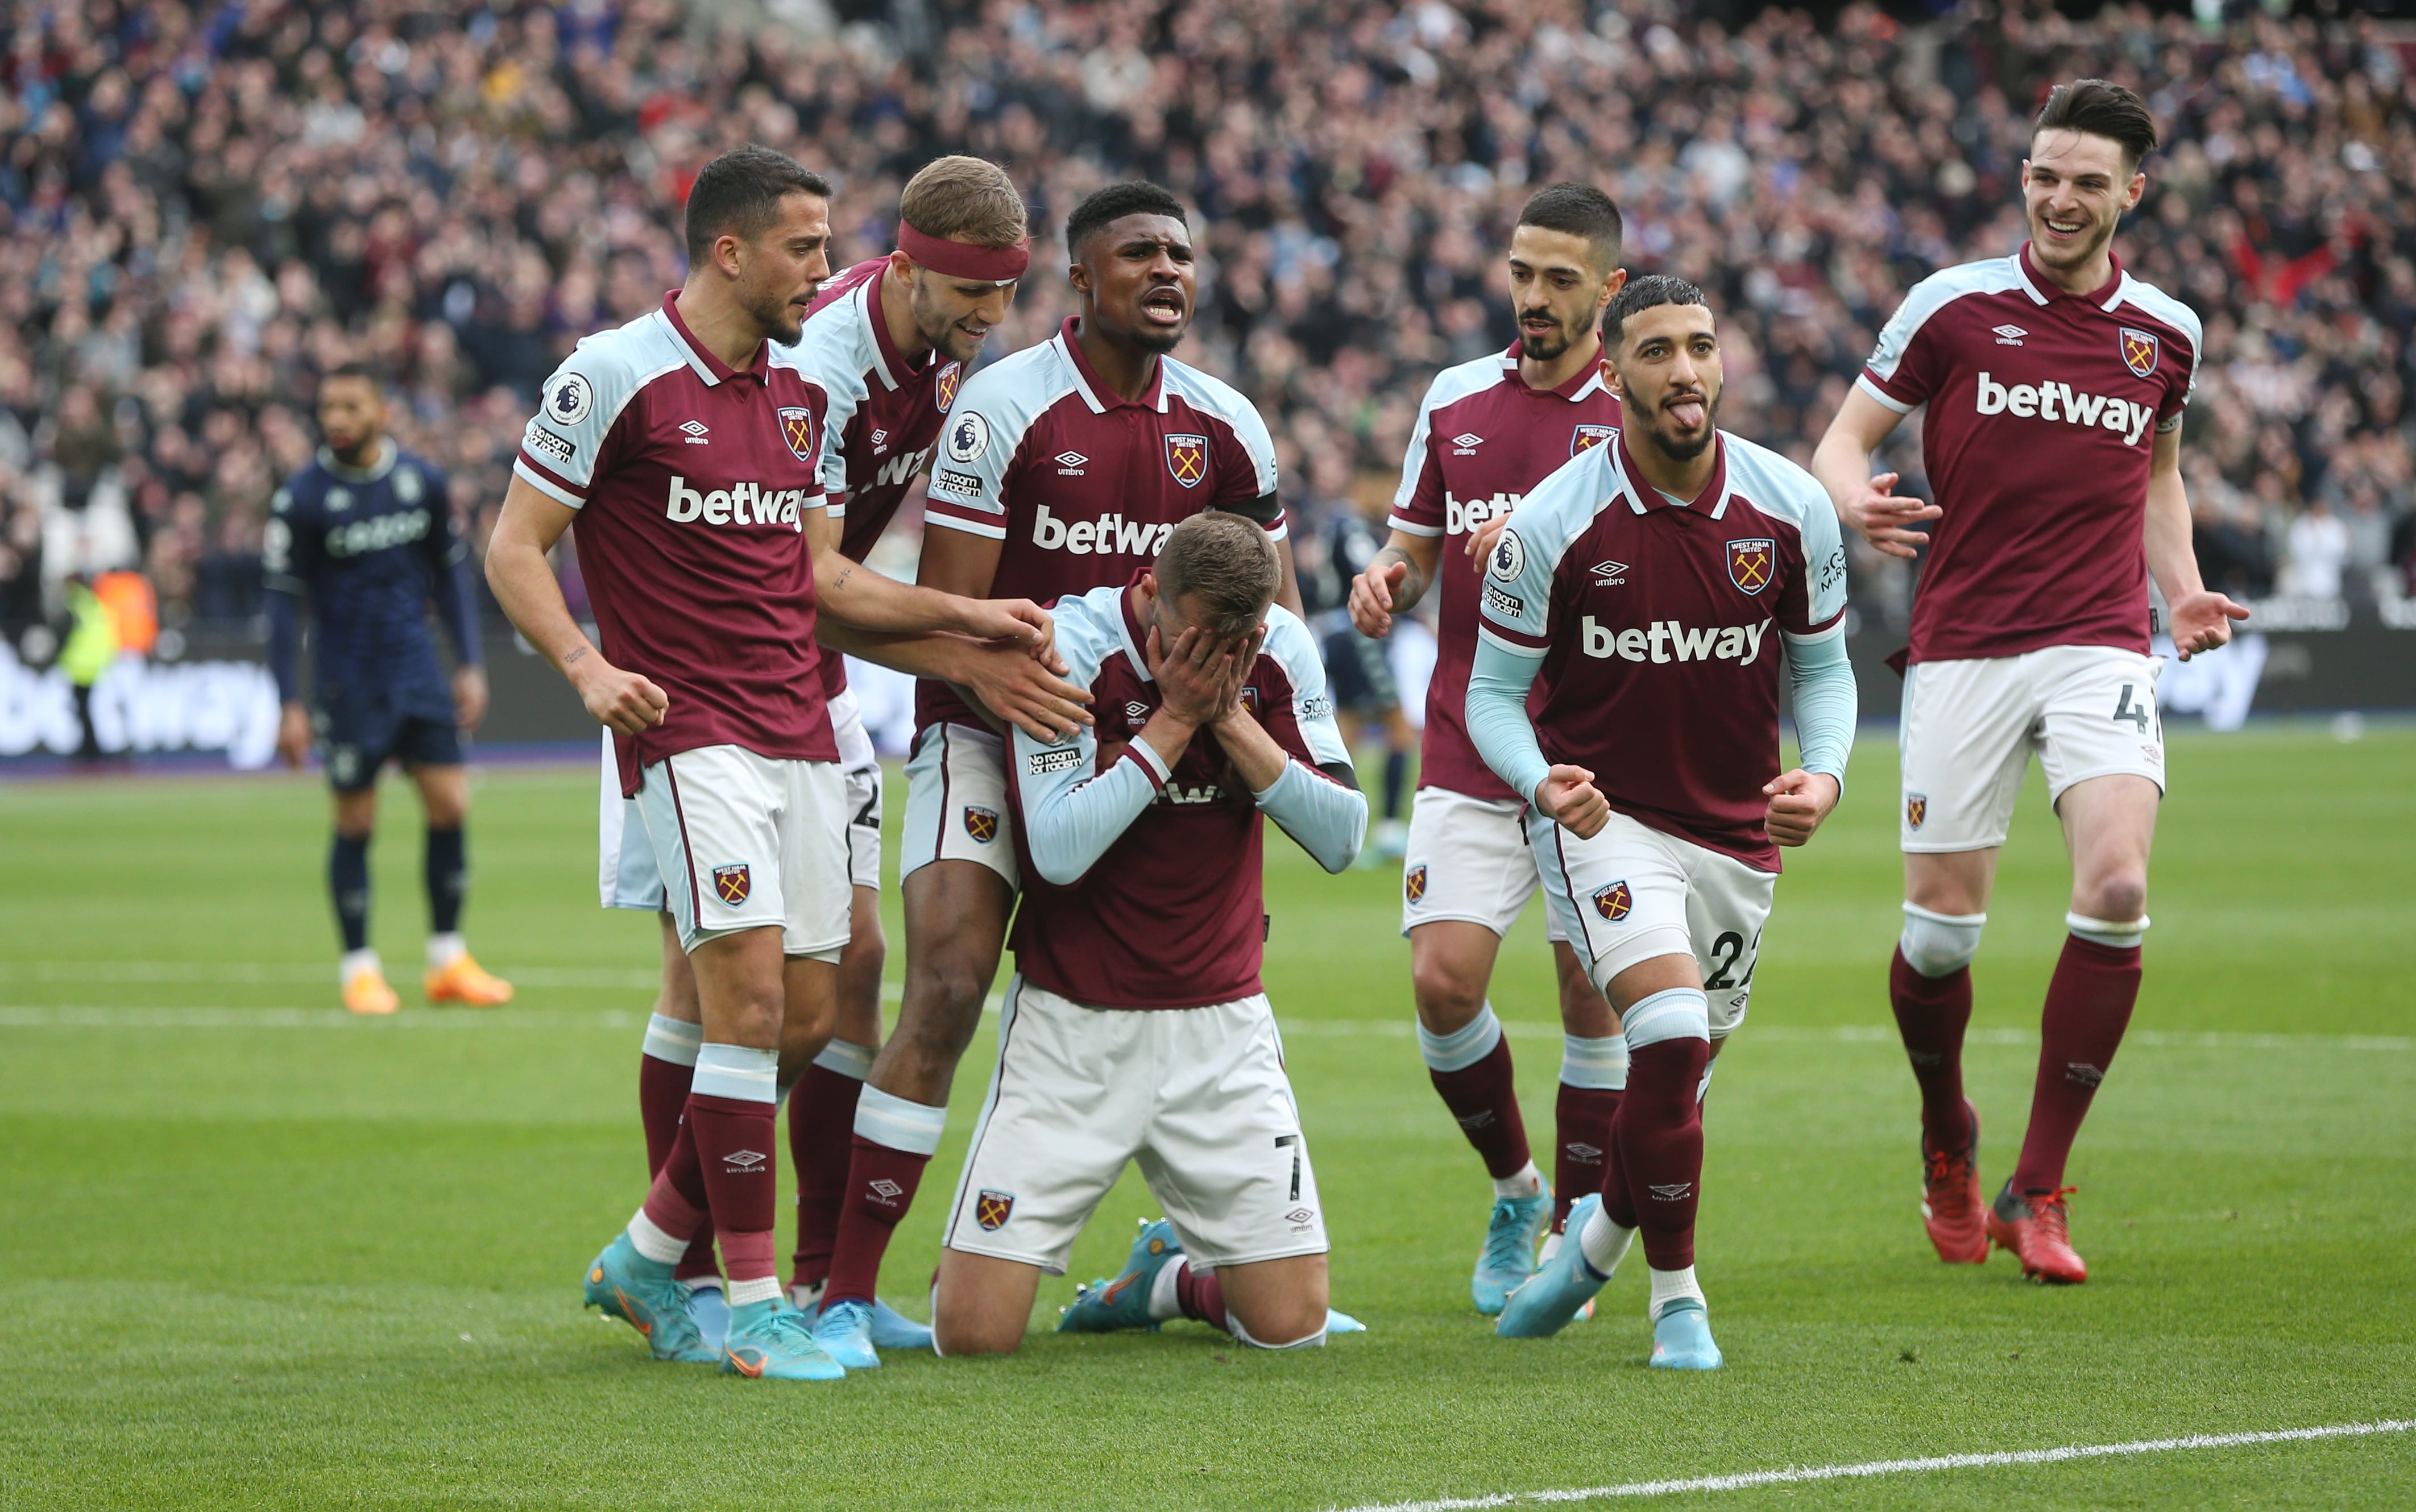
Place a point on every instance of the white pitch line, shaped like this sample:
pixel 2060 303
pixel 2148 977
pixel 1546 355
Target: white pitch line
pixel 1798 1474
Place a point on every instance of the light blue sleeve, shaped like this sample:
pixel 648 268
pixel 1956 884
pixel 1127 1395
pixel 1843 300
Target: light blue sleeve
pixel 1497 716
pixel 1071 814
pixel 1822 681
pixel 1324 816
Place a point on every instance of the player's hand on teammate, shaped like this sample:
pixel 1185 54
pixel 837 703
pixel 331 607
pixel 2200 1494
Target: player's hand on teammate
pixel 1881 518
pixel 1018 621
pixel 2200 622
pixel 294 736
pixel 1372 595
pixel 1027 692
pixel 1799 801
pixel 624 702
pixel 1569 799
pixel 1480 540
pixel 469 696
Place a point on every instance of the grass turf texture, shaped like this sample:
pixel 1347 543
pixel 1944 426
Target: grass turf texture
pixel 324 1262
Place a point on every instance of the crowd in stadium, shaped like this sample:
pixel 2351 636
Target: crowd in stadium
pixel 206 206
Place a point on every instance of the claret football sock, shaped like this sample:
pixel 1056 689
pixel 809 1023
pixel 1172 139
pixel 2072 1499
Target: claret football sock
pixel 731 1119
pixel 894 1141
pixel 1593 1074
pixel 348 884
pixel 821 1124
pixel 2088 1003
pixel 447 863
pixel 1660 1125
pixel 1198 1295
pixel 664 1072
pixel 1471 1068
pixel 1931 1014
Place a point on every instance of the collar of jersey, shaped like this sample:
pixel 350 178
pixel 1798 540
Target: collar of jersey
pixel 1092 388
pixel 708 366
pixel 1130 628
pixel 387 453
pixel 2045 291
pixel 894 366
pixel 1575 387
pixel 1715 492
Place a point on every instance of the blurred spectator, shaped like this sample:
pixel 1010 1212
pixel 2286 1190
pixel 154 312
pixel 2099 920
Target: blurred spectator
pixel 207 205
pixel 2318 549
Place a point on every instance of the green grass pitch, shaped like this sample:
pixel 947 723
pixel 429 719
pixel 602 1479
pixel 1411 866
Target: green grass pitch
pixel 258 1255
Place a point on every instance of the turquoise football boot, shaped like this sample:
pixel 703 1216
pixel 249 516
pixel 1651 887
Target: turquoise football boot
pixel 1508 1257
pixel 1342 1322
pixel 891 1328
pixel 1549 1301
pixel 1104 1306
pixel 642 1293
pixel 844 1331
pixel 709 1309
pixel 1682 1338
pixel 770 1340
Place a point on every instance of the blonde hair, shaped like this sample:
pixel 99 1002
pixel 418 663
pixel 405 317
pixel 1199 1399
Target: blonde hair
pixel 1226 564
pixel 965 200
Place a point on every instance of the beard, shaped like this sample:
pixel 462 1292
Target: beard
pixel 1546 347
pixel 1686 449
pixel 2100 236
pixel 780 322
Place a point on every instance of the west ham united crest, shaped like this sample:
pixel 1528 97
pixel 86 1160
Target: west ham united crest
pixel 994 1208
pixel 2139 349
pixel 1751 562
pixel 1614 901
pixel 731 884
pixel 981 823
pixel 1413 883
pixel 1916 808
pixel 1187 458
pixel 944 387
pixel 797 429
pixel 1586 438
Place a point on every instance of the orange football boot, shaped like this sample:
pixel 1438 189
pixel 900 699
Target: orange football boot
pixel 1951 1205
pixel 468 984
pixel 2036 1227
pixel 366 993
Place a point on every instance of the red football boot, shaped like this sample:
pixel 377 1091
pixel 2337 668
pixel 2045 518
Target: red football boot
pixel 1951 1205
pixel 2036 1227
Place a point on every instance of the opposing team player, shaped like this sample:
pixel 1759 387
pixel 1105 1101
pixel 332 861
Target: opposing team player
pixel 1136 1029
pixel 1060 468
pixel 1487 432
pixel 1640 585
pixel 887 340
pixel 687 449
pixel 2054 384
pixel 367 532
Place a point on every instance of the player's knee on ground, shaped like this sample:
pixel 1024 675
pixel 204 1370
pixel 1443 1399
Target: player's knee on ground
pixel 1288 1323
pixel 1937 944
pixel 981 1305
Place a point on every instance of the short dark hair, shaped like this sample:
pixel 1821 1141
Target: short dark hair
pixel 2099 108
pixel 1227 564
pixel 361 371
pixel 739 194
pixel 1101 207
pixel 1640 294
pixel 1580 210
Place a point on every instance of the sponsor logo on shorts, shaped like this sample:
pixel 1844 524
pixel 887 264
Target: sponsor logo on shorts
pixel 991 1209
pixel 1614 901
pixel 2139 349
pixel 731 884
pixel 1413 883
pixel 1586 438
pixel 1752 561
pixel 1916 808
pixel 1064 758
pixel 1187 458
pixel 1301 1219
pixel 981 823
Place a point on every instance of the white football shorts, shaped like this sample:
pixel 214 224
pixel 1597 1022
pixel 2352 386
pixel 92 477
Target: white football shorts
pixel 627 873
pixel 1970 728
pixel 1632 892
pixel 744 841
pixel 1469 860
pixel 1196 1095
pixel 956 803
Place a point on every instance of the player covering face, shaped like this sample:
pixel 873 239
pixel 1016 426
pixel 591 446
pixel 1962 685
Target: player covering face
pixel 1640 586
pixel 1488 432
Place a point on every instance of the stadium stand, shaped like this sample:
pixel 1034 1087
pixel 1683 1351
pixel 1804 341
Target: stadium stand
pixel 207 205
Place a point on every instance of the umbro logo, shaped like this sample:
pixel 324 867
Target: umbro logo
pixel 881 440
pixel 695 431
pixel 1070 464
pixel 1675 1191
pixel 2010 335
pixel 1609 574
pixel 1136 709
pixel 1466 444
pixel 743 1160
pixel 1583 1153
pixel 884 1190
pixel 1300 1215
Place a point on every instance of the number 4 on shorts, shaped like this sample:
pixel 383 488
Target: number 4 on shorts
pixel 2137 713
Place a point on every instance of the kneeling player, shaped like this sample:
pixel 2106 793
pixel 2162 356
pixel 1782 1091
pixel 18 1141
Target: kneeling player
pixel 1136 1027
pixel 1642 580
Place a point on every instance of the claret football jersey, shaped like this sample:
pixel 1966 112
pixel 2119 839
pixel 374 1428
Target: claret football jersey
pixel 691 480
pixel 1660 626
pixel 1483 438
pixel 1080 485
pixel 2042 408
